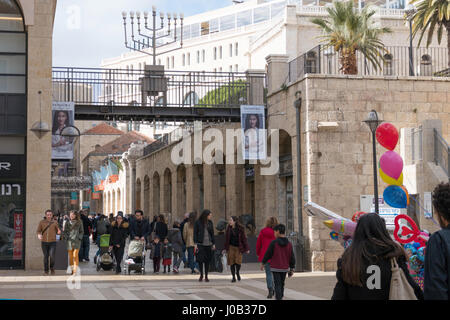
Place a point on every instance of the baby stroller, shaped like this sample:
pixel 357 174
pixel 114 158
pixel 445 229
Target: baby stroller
pixel 106 259
pixel 135 257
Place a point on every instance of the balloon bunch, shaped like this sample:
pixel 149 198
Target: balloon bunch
pixel 414 241
pixel 391 167
pixel 343 229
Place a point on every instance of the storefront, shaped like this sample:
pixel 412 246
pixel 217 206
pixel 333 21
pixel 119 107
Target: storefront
pixel 13 129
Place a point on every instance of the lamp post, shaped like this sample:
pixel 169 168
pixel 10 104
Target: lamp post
pixel 410 11
pixel 150 40
pixel 373 122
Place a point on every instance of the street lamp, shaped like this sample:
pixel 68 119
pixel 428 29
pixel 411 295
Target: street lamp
pixel 410 12
pixel 373 122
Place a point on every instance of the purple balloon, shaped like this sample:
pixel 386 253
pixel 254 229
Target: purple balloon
pixel 392 164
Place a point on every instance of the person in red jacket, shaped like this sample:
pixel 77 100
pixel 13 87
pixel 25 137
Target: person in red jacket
pixel 281 254
pixel 235 245
pixel 266 236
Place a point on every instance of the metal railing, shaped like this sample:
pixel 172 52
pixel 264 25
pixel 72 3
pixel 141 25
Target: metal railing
pixel 441 152
pixel 167 139
pixel 120 87
pixel 432 61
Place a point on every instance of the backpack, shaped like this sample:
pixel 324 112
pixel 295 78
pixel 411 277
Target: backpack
pixel 400 287
pixel 102 227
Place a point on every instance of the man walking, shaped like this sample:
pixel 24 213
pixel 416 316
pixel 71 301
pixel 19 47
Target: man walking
pixel 87 226
pixel 282 260
pixel 46 232
pixel 139 228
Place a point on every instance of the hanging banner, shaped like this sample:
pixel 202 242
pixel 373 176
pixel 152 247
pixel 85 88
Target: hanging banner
pixel 254 139
pixel 95 195
pixel 63 115
pixel 113 172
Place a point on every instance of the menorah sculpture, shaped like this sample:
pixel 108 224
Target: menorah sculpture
pixel 149 41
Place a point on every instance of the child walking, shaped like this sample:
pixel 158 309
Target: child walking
pixel 167 254
pixel 156 254
pixel 282 260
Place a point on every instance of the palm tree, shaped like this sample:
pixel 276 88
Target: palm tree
pixel 429 14
pixel 347 31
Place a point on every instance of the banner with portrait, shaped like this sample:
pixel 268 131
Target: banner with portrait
pixel 254 138
pixel 63 115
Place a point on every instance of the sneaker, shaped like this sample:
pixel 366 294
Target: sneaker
pixel 52 272
pixel 87 260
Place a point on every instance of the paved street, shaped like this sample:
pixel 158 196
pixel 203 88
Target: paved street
pixel 105 285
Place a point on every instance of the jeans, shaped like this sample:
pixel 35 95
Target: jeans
pixel 191 261
pixel 278 279
pixel 84 250
pixel 118 254
pixel 183 254
pixel 269 277
pixel 49 250
pixel 98 244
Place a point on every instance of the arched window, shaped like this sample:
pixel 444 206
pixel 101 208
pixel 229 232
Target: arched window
pixel 215 53
pixel 13 73
pixel 388 69
pixel 426 66
pixel 190 99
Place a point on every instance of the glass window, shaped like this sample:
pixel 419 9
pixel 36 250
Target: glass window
pixel 205 28
pixel 188 59
pixel 213 25
pixel 220 52
pixel 186 32
pixel 236 68
pixel 173 62
pixel 231 49
pixel 203 55
pixel 12 84
pixel 261 14
pixel 215 53
pixel 195 30
pixel 184 60
pixel 12 64
pixel 12 42
pixel 10 16
pixel 244 18
pixel 236 49
pixel 277 8
pixel 227 22
pixel 12 145
pixel 198 56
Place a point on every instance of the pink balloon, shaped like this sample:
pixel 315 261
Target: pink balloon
pixel 392 164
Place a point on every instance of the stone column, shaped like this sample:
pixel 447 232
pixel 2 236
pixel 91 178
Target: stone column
pixel 190 206
pixel 277 71
pixel 255 92
pixel 176 215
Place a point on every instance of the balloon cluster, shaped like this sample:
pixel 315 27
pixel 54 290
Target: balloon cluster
pixel 391 167
pixel 414 241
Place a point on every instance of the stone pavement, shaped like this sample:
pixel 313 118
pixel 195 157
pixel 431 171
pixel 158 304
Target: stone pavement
pixel 105 285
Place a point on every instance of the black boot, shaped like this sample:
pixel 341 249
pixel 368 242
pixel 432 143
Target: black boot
pixel 238 267
pixel 233 271
pixel 270 294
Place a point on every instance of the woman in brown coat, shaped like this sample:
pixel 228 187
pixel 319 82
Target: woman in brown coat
pixel 235 245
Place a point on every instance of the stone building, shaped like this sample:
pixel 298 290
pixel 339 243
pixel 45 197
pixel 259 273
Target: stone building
pixel 26 29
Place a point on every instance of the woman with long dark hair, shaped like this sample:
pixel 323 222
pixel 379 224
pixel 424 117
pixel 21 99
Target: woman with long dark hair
pixel 204 241
pixel 73 235
pixel 372 249
pixel 60 121
pixel 235 245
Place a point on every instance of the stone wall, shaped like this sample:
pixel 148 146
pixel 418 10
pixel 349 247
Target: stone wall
pixel 336 144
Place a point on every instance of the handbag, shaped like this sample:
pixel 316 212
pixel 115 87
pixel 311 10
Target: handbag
pixel 400 287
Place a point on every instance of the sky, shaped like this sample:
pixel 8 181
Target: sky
pixel 87 31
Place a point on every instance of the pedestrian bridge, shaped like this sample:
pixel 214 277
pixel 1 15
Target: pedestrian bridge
pixel 157 95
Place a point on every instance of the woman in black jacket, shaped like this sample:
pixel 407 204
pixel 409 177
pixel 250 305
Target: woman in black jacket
pixel 161 228
pixel 119 234
pixel 204 242
pixel 364 271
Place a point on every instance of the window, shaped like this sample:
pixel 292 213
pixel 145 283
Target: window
pixel 186 32
pixel 205 28
pixel 173 62
pixel 220 69
pixel 236 49
pixel 236 68
pixel 231 49
pixel 227 22
pixel 213 25
pixel 167 63
pixel 220 52
pixel 244 18
pixel 311 62
pixel 261 14
pixel 203 55
pixel 198 56
pixel 215 70
pixel 188 59
pixel 159 61
pixel 183 59
pixel 231 68
pixel 277 8
pixel 195 30
pixel 387 65
pixel 215 53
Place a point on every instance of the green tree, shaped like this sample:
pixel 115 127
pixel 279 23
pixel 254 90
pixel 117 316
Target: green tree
pixel 233 93
pixel 348 30
pixel 429 14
